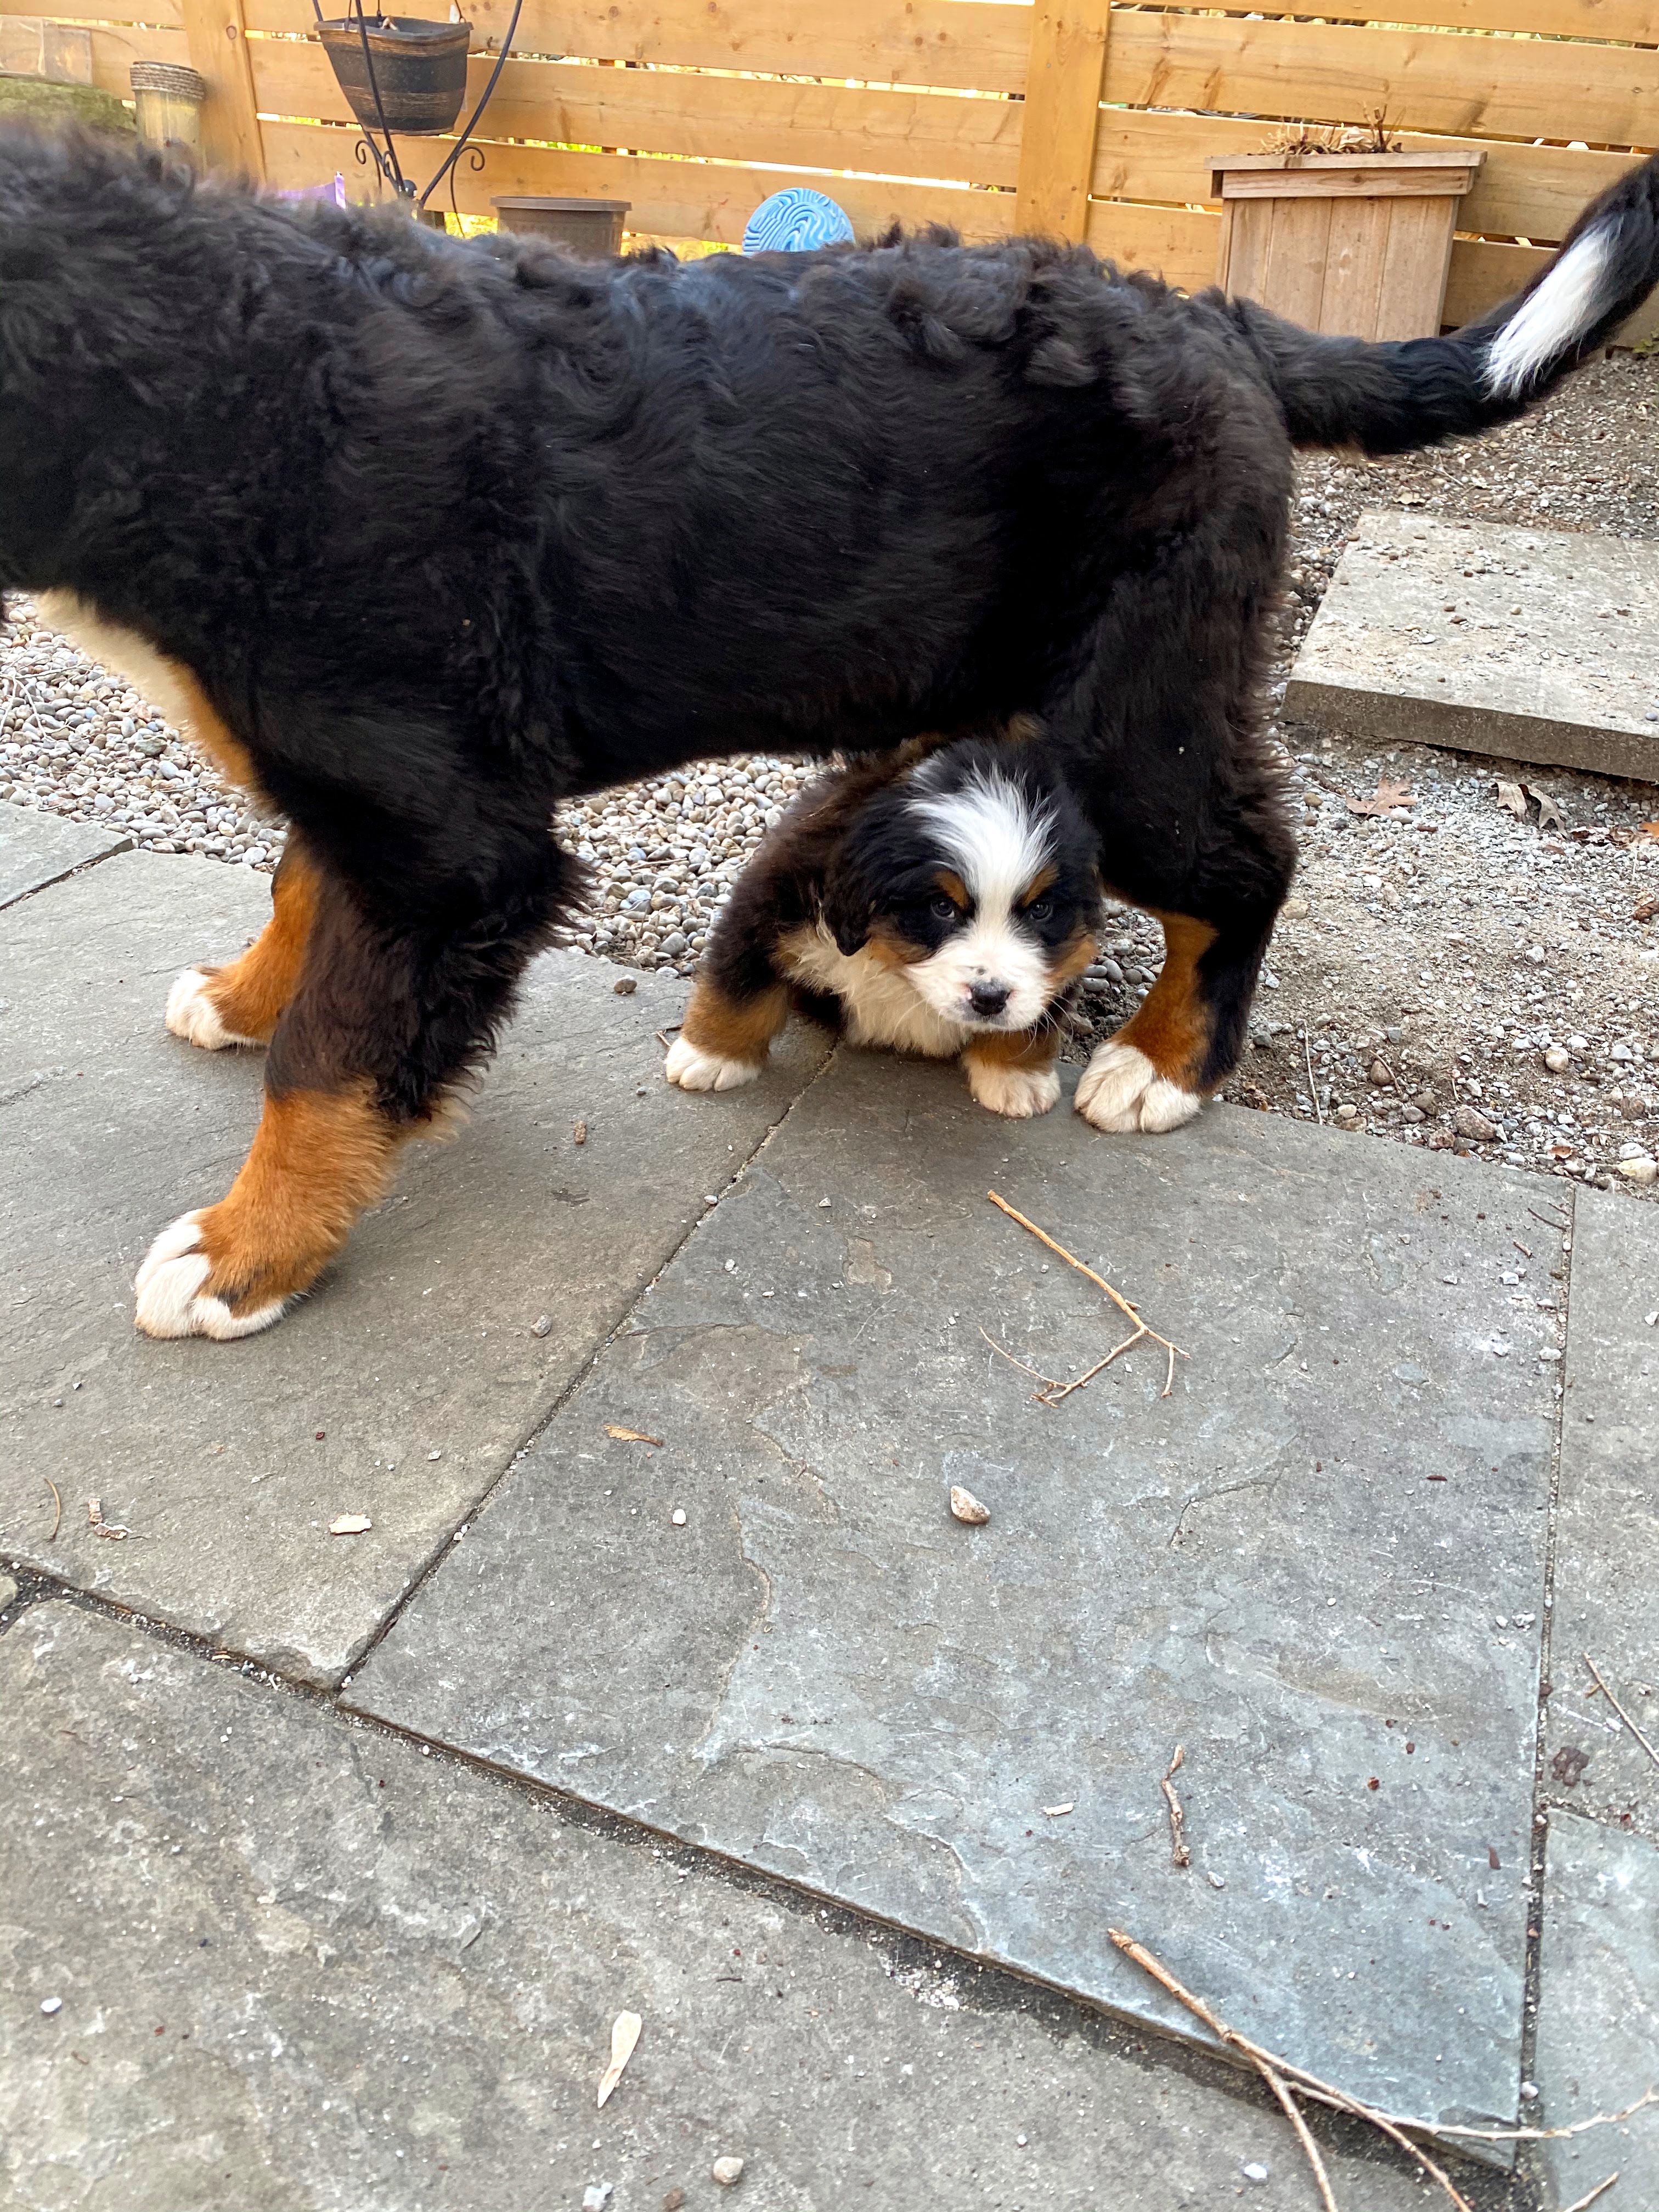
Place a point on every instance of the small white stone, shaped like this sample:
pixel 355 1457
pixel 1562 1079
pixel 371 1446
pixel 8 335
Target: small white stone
pixel 1641 1172
pixel 49 2005
pixel 1253 2170
pixel 677 1516
pixel 435 1454
pixel 541 1326
pixel 726 2170
pixel 966 1507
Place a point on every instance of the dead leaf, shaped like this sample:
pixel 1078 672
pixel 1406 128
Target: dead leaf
pixel 1649 830
pixel 350 1524
pixel 578 1133
pixel 966 1507
pixel 1646 907
pixel 1057 1811
pixel 1550 815
pixel 624 2034
pixel 1383 799
pixel 629 1436
pixel 100 1527
pixel 1511 796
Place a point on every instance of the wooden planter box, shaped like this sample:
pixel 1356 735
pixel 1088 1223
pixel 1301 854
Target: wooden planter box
pixel 1356 245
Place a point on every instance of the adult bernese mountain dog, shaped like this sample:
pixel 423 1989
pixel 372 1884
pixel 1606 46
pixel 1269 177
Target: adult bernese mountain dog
pixel 419 536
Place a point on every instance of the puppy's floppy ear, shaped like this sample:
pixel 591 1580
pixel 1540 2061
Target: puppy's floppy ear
pixel 848 905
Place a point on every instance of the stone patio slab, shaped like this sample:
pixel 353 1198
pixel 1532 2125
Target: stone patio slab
pixel 1318 1566
pixel 1598 2008
pixel 301 1968
pixel 36 849
pixel 1606 1587
pixel 1533 645
pixel 403 1388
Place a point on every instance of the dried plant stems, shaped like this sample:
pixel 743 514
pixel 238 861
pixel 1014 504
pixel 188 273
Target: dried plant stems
pixel 1600 2189
pixel 1178 1851
pixel 57 1518
pixel 1619 1709
pixel 1054 1391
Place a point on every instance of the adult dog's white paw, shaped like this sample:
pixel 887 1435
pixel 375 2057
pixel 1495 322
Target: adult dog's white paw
pixel 169 1283
pixel 1018 1092
pixel 706 1071
pixel 1121 1090
pixel 192 1015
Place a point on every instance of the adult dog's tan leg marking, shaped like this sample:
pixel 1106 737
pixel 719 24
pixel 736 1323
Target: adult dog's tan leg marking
pixel 228 1270
pixel 242 1002
pixel 724 1042
pixel 1013 1071
pixel 1147 1076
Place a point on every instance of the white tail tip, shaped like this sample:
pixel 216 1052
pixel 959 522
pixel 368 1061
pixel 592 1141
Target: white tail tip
pixel 1552 320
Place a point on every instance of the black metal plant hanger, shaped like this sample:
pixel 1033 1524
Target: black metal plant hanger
pixel 387 162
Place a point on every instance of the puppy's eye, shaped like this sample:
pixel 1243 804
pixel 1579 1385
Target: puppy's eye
pixel 1040 910
pixel 944 909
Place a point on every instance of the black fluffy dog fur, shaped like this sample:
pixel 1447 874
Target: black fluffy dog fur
pixel 422 535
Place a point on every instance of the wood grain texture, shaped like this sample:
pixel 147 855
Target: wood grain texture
pixel 116 46
pixel 1411 302
pixel 980 44
pixel 1445 180
pixel 1063 80
pixel 708 117
pixel 216 42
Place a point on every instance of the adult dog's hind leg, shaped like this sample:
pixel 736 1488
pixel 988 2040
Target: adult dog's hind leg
pixel 242 1001
pixel 384 1021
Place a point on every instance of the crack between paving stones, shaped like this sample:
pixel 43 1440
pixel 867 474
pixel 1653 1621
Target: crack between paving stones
pixel 81 868
pixel 544 1421
pixel 1538 1839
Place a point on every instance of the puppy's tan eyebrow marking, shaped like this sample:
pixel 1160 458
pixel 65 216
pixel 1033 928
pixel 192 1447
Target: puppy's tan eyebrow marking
pixel 953 887
pixel 1042 881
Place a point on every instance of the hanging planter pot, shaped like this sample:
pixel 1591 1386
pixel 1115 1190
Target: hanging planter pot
pixel 401 73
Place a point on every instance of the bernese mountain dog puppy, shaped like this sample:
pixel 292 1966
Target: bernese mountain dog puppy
pixel 941 902
pixel 419 535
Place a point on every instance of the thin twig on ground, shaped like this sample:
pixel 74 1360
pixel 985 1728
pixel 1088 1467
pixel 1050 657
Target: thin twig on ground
pixel 1053 1391
pixel 1601 1686
pixel 1313 1088
pixel 1600 2189
pixel 1178 1851
pixel 57 1518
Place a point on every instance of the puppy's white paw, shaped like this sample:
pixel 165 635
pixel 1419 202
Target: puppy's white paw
pixel 706 1071
pixel 1121 1090
pixel 1018 1092
pixel 192 1015
pixel 169 1290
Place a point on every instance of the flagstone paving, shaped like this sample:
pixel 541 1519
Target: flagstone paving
pixel 1303 1566
pixel 402 1390
pixel 819 1734
pixel 37 850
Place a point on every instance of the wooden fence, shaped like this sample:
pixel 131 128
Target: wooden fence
pixel 1072 116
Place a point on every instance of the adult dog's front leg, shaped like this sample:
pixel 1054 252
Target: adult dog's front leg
pixel 229 1270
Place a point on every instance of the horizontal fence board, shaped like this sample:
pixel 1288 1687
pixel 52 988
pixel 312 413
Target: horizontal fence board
pixel 669 199
pixel 1178 243
pixel 1637 20
pixel 1524 192
pixel 163 11
pixel 1424 80
pixel 116 46
pixel 977 44
pixel 726 118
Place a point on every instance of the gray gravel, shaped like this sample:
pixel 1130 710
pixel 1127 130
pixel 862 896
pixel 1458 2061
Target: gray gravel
pixel 1458 979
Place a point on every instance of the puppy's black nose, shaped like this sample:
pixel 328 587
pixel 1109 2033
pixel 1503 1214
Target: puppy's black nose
pixel 988 1000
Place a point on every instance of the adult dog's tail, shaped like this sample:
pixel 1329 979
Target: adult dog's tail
pixel 1388 398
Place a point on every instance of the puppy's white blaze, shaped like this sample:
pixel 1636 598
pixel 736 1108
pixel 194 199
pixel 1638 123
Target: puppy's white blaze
pixel 997 842
pixel 167 1286
pixel 990 834
pixel 1121 1091
pixel 192 1015
pixel 1568 303
pixel 693 1070
pixel 1018 1092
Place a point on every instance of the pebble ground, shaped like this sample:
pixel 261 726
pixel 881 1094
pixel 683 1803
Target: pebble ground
pixel 1445 977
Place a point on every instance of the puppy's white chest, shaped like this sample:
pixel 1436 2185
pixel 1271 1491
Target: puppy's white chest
pixel 881 1004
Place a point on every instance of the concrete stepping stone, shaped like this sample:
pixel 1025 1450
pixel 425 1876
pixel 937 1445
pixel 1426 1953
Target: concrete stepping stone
pixel 291 1962
pixel 403 1388
pixel 1535 645
pixel 36 849
pixel 1606 1588
pixel 1317 1566
pixel 1598 2007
